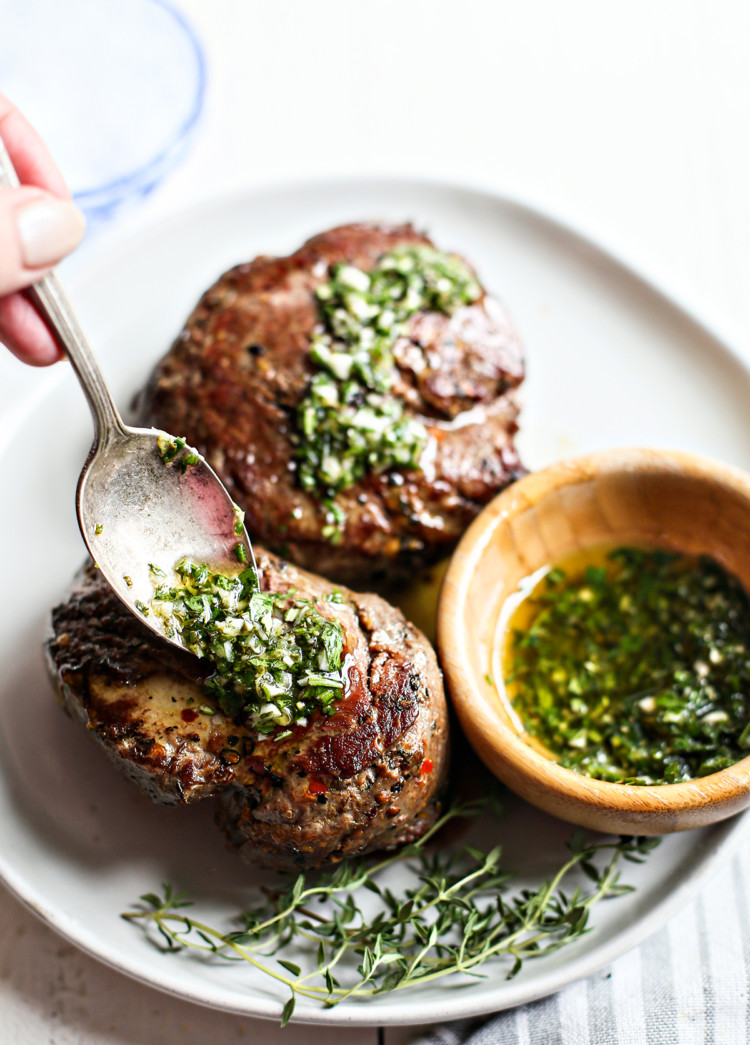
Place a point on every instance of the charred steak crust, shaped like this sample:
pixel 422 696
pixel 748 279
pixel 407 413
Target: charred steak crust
pixel 367 778
pixel 232 381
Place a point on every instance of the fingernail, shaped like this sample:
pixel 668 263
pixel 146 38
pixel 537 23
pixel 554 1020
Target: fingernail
pixel 48 229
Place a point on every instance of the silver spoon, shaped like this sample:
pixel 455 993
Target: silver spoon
pixel 135 511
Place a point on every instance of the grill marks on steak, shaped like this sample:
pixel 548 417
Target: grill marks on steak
pixel 343 785
pixel 233 379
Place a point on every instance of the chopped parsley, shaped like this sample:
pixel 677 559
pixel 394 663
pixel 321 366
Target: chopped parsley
pixel 239 520
pixel 277 658
pixel 636 671
pixel 175 449
pixel 349 424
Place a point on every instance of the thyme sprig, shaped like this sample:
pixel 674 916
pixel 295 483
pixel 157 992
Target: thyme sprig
pixel 452 919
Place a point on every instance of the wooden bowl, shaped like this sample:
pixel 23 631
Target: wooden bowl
pixel 618 497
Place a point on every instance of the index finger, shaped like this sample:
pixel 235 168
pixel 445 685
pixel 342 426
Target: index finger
pixel 32 161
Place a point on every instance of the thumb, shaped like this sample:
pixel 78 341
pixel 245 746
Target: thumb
pixel 36 231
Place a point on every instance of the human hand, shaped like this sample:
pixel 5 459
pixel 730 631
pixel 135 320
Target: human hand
pixel 39 225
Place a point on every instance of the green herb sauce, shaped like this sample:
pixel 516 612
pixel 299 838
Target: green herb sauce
pixel 349 424
pixel 277 658
pixel 636 670
pixel 175 449
pixel 239 520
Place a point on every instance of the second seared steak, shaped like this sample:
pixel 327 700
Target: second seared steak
pixel 368 777
pixel 233 380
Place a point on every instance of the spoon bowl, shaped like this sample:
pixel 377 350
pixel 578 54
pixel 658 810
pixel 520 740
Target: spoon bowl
pixel 145 500
pixel 139 515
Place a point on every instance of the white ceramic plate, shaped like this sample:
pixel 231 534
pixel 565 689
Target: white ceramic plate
pixel 611 362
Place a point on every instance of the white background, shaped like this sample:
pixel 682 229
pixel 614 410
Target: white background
pixel 628 120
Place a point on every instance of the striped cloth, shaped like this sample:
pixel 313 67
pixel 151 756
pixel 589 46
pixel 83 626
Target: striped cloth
pixel 688 985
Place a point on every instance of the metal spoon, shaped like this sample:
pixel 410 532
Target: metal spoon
pixel 135 511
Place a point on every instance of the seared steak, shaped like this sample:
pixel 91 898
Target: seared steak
pixel 232 382
pixel 367 778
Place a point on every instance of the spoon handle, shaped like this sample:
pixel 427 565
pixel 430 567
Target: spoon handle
pixel 54 305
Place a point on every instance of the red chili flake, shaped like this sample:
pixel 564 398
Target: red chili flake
pixel 188 715
pixel 427 766
pixel 316 787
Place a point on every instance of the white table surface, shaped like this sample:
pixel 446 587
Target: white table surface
pixel 630 121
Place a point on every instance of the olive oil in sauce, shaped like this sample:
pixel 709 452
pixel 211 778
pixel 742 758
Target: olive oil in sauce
pixel 631 665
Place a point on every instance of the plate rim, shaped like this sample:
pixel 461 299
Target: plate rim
pixel 731 831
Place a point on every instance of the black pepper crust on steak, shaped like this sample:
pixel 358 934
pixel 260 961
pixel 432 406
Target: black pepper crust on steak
pixel 233 378
pixel 369 777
